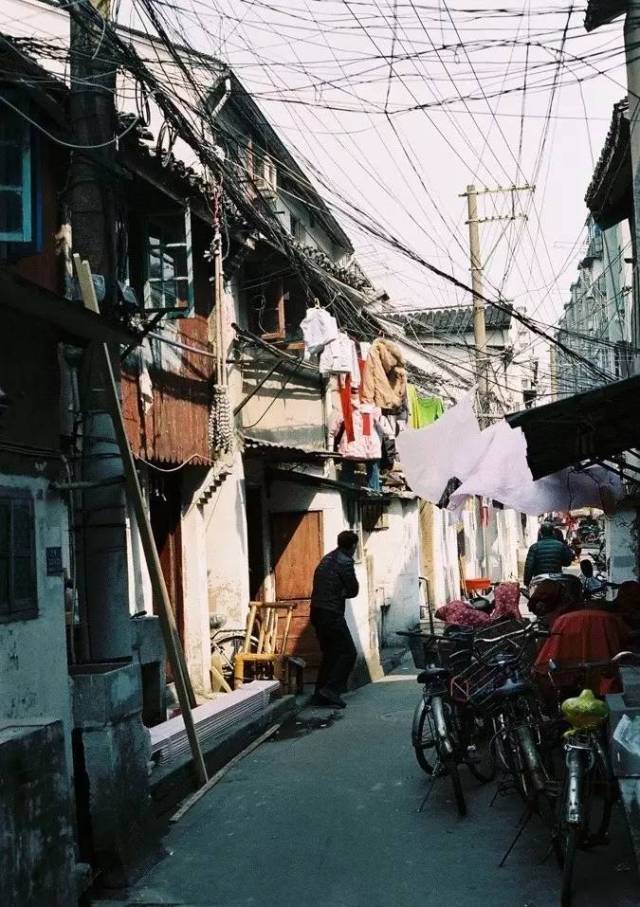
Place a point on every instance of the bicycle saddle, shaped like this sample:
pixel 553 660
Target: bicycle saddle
pixel 433 673
pixel 512 688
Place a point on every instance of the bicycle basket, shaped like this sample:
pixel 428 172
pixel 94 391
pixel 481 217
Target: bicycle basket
pixel 478 680
pixel 429 650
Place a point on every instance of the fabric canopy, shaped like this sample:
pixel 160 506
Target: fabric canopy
pixel 493 464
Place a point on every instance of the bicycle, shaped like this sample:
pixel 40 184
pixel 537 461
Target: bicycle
pixel 225 646
pixel 496 684
pixel 452 731
pixel 589 791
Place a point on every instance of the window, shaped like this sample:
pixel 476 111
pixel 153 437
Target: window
pixel 269 309
pixel 169 263
pixel 18 593
pixel 297 229
pixel 277 310
pixel 15 179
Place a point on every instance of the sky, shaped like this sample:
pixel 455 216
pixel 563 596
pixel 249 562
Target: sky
pixel 393 107
pixel 500 98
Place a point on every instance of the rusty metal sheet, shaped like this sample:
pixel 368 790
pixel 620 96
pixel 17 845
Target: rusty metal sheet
pixel 174 429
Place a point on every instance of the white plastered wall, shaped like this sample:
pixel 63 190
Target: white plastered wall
pixel 34 681
pixel 395 554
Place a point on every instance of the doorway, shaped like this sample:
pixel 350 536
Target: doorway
pixel 165 510
pixel 255 543
pixel 297 546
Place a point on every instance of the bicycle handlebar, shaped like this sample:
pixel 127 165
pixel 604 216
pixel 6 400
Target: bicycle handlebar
pixel 553 666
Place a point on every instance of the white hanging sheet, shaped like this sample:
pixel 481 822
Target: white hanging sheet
pixel 493 464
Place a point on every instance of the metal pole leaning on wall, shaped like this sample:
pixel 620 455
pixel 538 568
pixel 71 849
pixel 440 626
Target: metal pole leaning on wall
pixel 175 654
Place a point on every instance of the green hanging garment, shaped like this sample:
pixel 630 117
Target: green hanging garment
pixel 423 411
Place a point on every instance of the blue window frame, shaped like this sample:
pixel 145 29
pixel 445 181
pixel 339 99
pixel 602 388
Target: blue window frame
pixel 16 202
pixel 169 263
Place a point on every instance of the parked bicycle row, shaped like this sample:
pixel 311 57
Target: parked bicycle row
pixel 520 702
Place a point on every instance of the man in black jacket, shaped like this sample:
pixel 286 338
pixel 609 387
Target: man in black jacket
pixel 334 581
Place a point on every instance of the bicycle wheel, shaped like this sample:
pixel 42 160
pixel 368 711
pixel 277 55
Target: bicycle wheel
pixel 450 757
pixel 228 647
pixel 482 762
pixel 458 793
pixel 567 845
pixel 423 736
pixel 599 799
pixel 511 757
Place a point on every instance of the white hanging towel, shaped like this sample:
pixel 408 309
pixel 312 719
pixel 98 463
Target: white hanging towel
pixel 319 327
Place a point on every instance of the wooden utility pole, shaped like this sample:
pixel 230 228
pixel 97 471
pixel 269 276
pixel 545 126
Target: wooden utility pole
pixel 479 322
pixel 475 258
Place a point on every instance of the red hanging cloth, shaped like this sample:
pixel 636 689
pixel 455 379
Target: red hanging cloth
pixel 345 400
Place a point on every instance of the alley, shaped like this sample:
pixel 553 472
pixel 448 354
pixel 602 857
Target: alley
pixel 330 819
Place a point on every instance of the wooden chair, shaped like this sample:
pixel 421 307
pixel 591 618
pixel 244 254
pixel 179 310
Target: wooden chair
pixel 272 635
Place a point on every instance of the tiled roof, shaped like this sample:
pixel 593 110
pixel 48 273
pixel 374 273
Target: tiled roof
pixel 458 320
pixel 599 12
pixel 609 196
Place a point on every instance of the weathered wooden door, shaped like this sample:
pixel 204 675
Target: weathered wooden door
pixel 296 540
pixel 166 512
pixel 255 543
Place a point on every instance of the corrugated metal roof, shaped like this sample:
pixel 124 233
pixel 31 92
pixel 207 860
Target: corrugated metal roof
pixel 458 320
pixel 599 12
pixel 285 451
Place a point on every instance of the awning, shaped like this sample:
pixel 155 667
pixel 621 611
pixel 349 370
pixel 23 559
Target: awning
pixel 272 450
pixel 592 426
pixel 72 318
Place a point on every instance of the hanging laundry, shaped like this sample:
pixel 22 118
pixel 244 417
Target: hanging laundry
pixel 365 445
pixel 344 391
pixel 423 411
pixel 145 387
pixel 319 327
pixel 385 377
pixel 340 358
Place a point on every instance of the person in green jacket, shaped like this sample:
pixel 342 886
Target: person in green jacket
pixel 548 555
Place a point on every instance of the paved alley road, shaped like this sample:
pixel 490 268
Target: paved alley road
pixel 330 819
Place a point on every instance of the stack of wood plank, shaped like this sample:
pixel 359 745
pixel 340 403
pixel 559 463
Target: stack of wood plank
pixel 169 741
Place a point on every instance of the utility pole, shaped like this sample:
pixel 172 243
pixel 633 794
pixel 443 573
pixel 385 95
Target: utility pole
pixel 479 320
pixel 475 257
pixel 102 519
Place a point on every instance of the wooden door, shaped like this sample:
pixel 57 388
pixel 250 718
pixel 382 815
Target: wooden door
pixel 296 540
pixel 166 513
pixel 255 543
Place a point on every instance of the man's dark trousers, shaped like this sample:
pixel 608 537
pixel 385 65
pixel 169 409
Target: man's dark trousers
pixel 337 647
